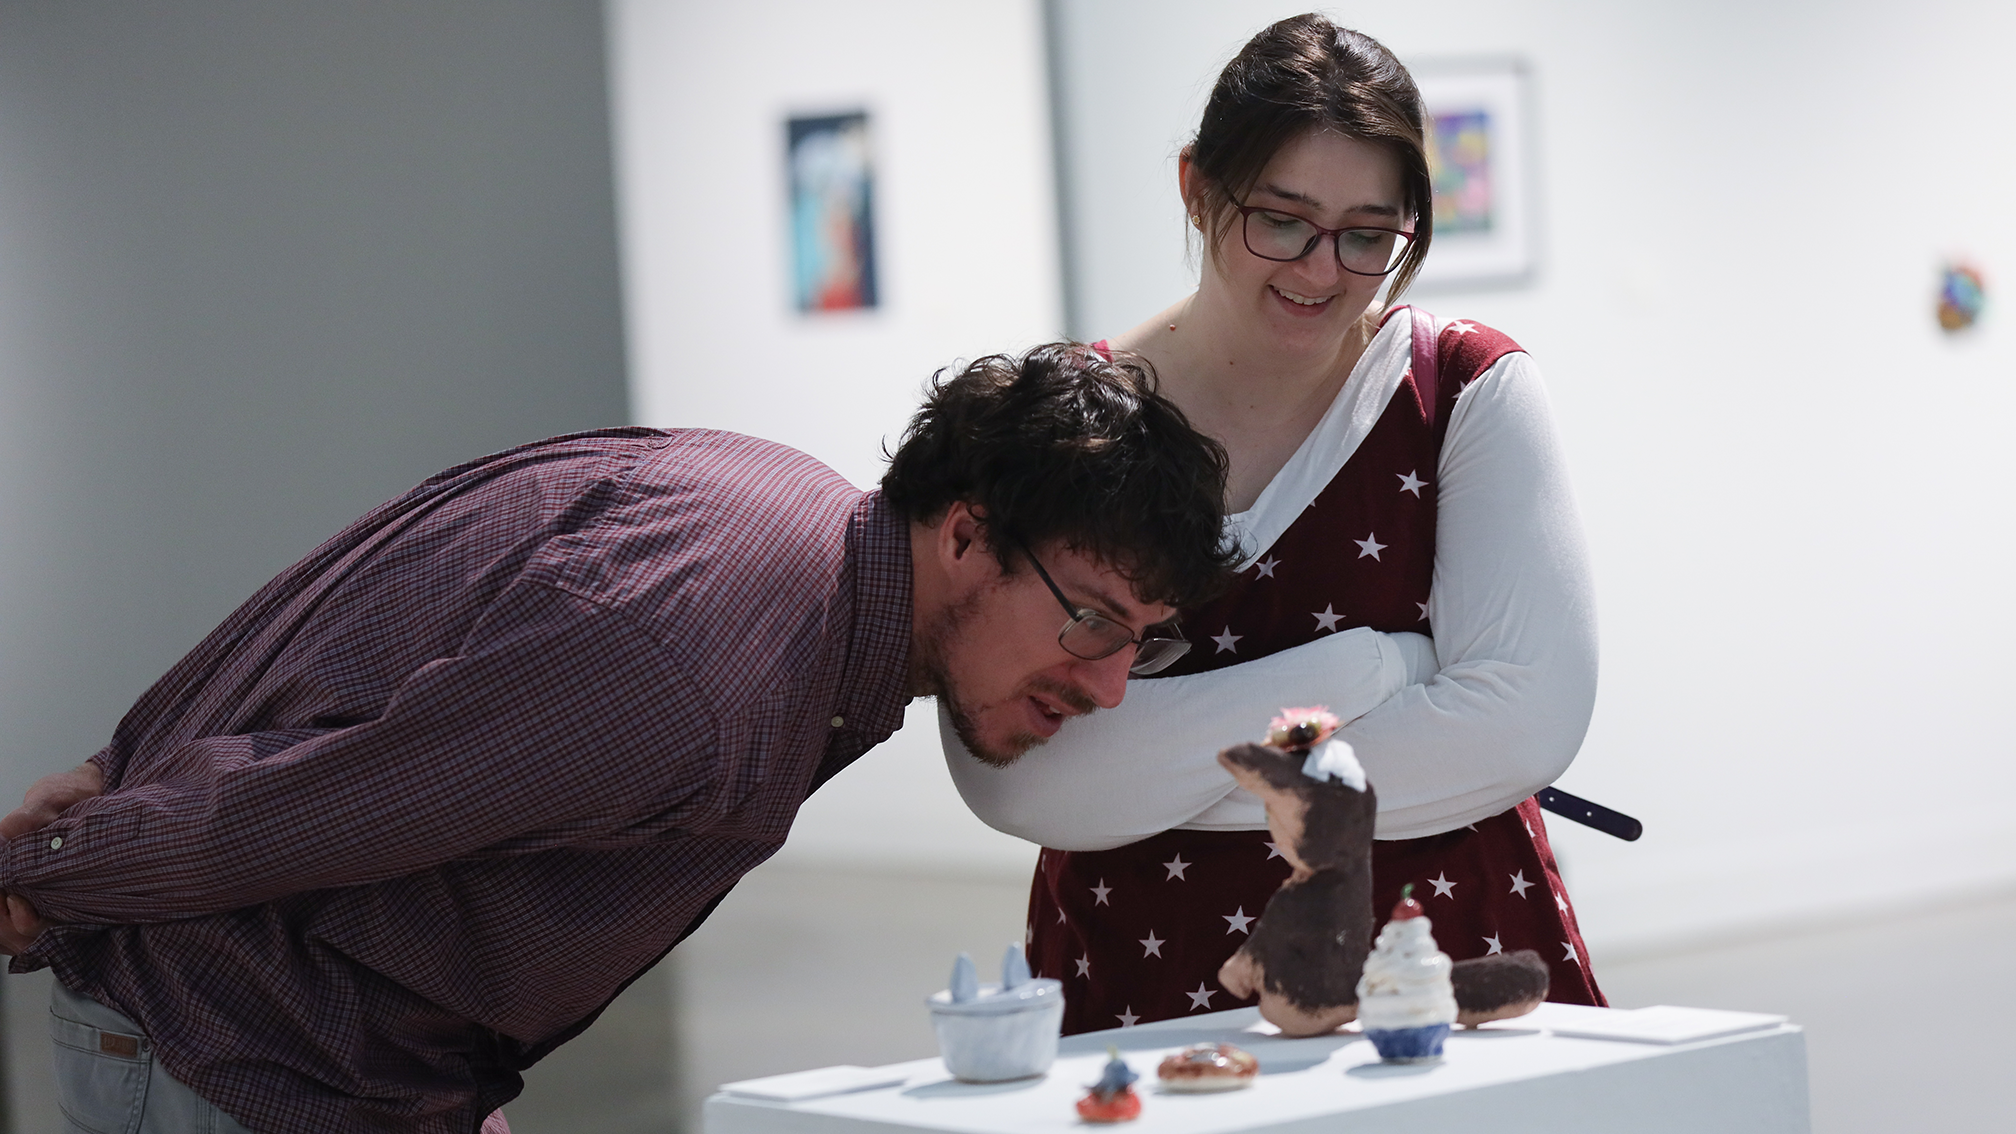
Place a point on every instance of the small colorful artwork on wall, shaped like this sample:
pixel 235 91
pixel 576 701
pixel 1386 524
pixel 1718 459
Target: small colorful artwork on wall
pixel 1962 293
pixel 1477 162
pixel 1459 163
pixel 832 198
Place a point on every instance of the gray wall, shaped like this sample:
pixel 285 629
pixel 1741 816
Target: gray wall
pixel 263 265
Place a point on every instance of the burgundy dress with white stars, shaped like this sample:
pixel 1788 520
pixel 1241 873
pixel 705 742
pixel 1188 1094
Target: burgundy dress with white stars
pixel 1137 933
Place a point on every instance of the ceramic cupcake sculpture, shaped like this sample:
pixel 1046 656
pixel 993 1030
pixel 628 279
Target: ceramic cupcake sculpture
pixel 1405 1000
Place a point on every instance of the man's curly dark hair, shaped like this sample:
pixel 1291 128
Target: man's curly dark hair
pixel 1065 445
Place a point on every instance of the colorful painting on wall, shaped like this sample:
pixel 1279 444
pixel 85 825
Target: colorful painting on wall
pixel 1962 295
pixel 1477 161
pixel 1459 162
pixel 832 208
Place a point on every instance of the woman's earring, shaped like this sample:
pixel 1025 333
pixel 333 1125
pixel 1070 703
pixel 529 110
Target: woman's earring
pixel 1196 220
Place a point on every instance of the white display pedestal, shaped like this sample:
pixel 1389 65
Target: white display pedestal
pixel 1516 1076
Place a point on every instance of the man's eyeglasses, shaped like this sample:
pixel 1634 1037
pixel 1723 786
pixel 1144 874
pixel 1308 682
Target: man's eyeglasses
pixel 1284 237
pixel 1091 635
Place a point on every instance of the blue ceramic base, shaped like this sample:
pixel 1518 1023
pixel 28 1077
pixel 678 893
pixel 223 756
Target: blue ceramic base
pixel 1408 1045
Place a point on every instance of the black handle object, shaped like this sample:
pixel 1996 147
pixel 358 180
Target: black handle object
pixel 1590 814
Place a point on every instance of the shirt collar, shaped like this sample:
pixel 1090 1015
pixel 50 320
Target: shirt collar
pixel 874 686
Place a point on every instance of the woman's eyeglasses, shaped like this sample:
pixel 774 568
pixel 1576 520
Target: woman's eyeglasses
pixel 1284 237
pixel 1092 636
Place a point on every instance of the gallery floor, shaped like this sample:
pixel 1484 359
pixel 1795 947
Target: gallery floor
pixel 1904 1013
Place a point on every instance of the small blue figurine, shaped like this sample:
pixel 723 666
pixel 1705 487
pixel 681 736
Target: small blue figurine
pixel 1112 1098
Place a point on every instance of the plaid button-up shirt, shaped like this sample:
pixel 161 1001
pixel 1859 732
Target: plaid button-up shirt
pixel 418 810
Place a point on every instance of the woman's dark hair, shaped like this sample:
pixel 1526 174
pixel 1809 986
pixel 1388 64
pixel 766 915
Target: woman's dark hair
pixel 1064 445
pixel 1302 74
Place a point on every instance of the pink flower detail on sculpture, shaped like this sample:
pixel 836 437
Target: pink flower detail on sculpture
pixel 1302 728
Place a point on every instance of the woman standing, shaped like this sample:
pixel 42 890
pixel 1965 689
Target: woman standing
pixel 1413 561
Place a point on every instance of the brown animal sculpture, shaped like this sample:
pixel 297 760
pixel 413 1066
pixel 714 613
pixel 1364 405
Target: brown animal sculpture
pixel 1308 949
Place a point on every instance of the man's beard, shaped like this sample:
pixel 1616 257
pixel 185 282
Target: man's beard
pixel 934 677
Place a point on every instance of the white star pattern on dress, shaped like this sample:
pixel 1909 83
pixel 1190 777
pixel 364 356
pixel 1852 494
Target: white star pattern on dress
pixel 1266 567
pixel 1176 868
pixel 1202 997
pixel 1152 947
pixel 1328 619
pixel 1227 641
pixel 1568 952
pixel 1520 885
pixel 1128 1018
pixel 1273 850
pixel 1408 483
pixel 1461 328
pixel 1237 921
pixel 1561 903
pixel 1370 545
pixel 1443 887
pixel 1495 947
pixel 1085 966
pixel 1424 610
pixel 1099 893
pixel 1060 917
pixel 1028 935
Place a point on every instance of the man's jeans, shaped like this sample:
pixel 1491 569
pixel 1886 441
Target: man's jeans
pixel 107 1079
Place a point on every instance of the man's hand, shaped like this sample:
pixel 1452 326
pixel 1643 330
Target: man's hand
pixel 21 926
pixel 49 797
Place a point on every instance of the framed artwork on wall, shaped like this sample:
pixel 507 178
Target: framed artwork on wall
pixel 1479 158
pixel 832 175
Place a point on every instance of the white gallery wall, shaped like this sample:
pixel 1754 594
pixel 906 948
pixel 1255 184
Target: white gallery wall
pixel 966 244
pixel 1798 490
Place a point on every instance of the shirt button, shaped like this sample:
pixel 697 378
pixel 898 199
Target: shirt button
pixel 839 722
pixel 56 843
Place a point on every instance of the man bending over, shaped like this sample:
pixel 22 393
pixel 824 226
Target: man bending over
pixel 420 808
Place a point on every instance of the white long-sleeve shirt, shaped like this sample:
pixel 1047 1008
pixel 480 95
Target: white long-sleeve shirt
pixel 1449 730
